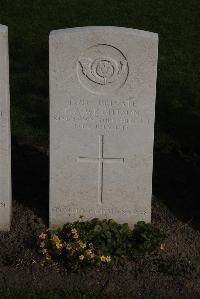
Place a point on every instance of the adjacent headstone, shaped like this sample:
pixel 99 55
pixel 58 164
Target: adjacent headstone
pixel 102 104
pixel 5 155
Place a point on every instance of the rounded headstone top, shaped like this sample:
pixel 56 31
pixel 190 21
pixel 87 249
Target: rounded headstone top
pixel 3 29
pixel 123 30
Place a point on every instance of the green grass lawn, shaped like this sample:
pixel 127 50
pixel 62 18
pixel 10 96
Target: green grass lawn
pixel 178 88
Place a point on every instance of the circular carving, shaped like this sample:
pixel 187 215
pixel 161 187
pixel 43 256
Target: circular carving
pixel 102 68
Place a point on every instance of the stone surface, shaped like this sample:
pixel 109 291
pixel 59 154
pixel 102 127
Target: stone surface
pixel 102 105
pixel 5 158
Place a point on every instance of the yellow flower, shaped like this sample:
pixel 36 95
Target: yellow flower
pixel 89 251
pixel 162 246
pixel 81 244
pixel 42 244
pixel 69 246
pixel 58 245
pixel 108 259
pixel 57 269
pixel 55 239
pixel 103 258
pixel 74 231
pixel 42 236
pixel 44 251
pixel 92 255
pixel 81 257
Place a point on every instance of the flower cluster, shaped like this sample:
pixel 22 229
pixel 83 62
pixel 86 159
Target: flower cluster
pixel 97 243
pixel 162 246
pixel 69 250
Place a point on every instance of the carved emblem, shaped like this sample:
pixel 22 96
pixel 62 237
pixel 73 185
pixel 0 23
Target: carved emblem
pixel 102 68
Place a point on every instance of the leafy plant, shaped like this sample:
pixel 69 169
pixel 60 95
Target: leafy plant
pixel 107 235
pixel 95 243
pixel 147 238
pixel 65 248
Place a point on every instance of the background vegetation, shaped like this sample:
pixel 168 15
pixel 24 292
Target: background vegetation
pixel 178 88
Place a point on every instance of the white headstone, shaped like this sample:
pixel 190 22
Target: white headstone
pixel 102 105
pixel 5 155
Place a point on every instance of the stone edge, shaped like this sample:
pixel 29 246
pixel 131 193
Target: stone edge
pixel 4 35
pixel 124 30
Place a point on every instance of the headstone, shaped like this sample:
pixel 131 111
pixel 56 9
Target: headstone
pixel 5 155
pixel 102 104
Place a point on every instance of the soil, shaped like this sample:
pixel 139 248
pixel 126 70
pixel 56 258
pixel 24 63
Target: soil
pixel 174 271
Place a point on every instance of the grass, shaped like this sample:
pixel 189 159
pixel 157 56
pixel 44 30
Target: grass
pixel 42 294
pixel 178 89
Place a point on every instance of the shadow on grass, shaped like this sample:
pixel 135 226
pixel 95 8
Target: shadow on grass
pixel 30 178
pixel 176 173
pixel 29 93
pixel 29 111
pixel 176 182
pixel 177 116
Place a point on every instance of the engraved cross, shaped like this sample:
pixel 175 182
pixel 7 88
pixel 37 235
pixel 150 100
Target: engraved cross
pixel 101 160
